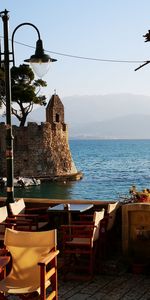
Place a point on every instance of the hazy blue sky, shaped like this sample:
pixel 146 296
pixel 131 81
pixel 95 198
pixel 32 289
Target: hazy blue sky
pixel 105 29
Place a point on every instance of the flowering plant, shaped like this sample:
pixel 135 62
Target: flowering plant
pixel 139 196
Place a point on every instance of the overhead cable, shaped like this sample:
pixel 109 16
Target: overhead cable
pixel 84 57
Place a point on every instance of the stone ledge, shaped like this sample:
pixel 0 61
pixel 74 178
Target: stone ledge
pixel 67 177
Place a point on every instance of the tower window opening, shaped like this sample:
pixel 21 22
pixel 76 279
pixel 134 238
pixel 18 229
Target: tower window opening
pixel 57 118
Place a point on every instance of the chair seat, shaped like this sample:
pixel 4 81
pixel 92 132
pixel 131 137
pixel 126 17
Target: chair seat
pixel 33 227
pixel 41 224
pixel 79 241
pixel 17 286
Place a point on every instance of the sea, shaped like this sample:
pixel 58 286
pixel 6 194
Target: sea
pixel 109 167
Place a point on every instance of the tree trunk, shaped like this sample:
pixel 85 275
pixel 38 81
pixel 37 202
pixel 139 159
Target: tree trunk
pixel 23 120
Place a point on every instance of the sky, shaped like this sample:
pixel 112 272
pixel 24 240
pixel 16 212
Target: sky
pixel 103 29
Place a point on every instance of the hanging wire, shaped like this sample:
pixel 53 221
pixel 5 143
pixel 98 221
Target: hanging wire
pixel 83 57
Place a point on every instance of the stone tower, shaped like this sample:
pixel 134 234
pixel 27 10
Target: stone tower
pixel 41 151
pixel 55 110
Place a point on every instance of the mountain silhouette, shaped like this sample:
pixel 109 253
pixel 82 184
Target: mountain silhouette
pixel 103 116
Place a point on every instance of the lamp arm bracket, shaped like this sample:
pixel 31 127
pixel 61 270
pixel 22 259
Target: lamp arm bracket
pixel 12 40
pixel 141 66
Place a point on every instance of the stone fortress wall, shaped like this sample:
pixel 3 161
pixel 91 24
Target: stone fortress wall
pixel 41 151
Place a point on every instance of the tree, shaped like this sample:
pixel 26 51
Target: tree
pixel 25 91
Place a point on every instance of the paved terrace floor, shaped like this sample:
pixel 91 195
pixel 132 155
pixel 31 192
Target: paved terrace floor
pixel 116 284
pixel 116 281
pixel 122 287
pixel 107 287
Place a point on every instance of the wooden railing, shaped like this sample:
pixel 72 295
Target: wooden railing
pixel 49 202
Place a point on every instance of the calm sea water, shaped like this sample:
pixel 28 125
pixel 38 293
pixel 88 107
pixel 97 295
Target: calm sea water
pixel 110 167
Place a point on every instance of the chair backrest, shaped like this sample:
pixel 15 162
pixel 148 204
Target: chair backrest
pixel 111 211
pixel 3 213
pixel 27 248
pixel 17 207
pixel 97 217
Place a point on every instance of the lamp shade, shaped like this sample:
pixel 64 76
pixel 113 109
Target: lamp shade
pixel 40 61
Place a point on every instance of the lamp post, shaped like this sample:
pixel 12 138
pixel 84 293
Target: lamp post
pixel 6 58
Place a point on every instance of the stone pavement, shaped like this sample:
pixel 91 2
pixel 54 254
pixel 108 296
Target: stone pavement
pixel 103 287
pixel 115 283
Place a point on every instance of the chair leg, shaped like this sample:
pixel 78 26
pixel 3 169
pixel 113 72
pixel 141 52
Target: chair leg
pixel 42 283
pixel 91 266
pixel 71 259
pixel 2 297
pixel 66 263
pixel 54 279
pixel 94 253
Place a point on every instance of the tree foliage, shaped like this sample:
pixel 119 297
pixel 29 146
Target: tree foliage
pixel 25 91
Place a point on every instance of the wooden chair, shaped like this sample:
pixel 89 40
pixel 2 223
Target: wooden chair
pixel 5 221
pixel 107 235
pixel 37 219
pixel 34 265
pixel 80 243
pixel 3 217
pixel 111 214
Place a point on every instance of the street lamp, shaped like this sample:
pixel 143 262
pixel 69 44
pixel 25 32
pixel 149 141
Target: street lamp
pixel 39 58
pixel 147 39
pixel 40 61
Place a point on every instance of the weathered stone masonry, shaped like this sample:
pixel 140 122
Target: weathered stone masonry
pixel 40 150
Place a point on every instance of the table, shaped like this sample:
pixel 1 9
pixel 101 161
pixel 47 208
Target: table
pixel 72 208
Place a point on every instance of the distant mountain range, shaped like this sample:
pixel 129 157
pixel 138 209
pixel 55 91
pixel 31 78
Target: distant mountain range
pixel 120 116
pixel 126 127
